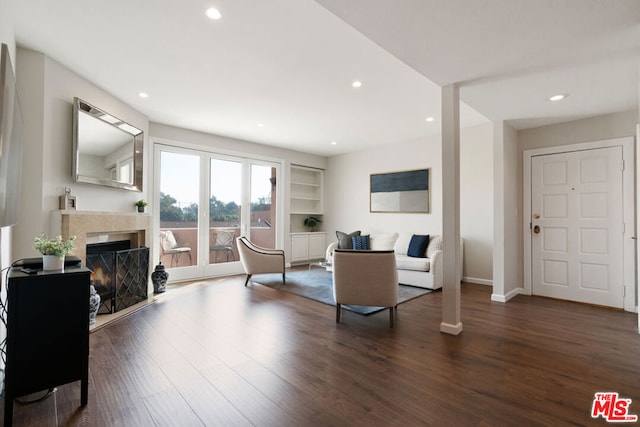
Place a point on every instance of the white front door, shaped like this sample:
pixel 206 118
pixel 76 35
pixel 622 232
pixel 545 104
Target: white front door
pixel 577 226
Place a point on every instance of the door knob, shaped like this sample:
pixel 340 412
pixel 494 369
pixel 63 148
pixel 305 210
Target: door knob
pixel 536 229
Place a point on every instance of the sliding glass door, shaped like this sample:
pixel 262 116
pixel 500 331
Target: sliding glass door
pixel 263 218
pixel 225 208
pixel 205 202
pixel 178 200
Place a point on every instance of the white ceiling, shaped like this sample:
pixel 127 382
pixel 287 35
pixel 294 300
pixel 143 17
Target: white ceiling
pixel 509 56
pixel 289 64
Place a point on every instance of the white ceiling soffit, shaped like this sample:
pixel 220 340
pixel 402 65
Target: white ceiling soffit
pixel 510 56
pixel 285 64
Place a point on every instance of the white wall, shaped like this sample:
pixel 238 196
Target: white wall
pixel 347 188
pixel 224 144
pixel 507 252
pixel 592 129
pixel 46 90
pixel 347 193
pixel 6 29
pixel 476 203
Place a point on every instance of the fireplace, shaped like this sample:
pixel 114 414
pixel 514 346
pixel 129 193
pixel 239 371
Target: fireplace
pixel 119 273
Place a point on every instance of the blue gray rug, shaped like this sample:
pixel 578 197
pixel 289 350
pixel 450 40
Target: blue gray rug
pixel 317 284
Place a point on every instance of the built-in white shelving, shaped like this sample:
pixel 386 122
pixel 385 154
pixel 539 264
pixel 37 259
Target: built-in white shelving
pixel 306 200
pixel 306 190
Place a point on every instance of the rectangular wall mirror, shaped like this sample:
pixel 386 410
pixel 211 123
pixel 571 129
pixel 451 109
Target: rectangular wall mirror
pixel 106 150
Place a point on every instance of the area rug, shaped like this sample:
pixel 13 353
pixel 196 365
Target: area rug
pixel 317 284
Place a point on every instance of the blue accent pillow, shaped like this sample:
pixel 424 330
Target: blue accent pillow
pixel 360 243
pixel 418 246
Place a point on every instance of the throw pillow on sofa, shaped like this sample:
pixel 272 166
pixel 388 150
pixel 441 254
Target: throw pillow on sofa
pixel 360 243
pixel 402 244
pixel 382 242
pixel 344 239
pixel 418 246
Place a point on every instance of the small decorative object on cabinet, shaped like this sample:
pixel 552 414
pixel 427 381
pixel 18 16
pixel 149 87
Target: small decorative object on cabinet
pixel 53 251
pixel 52 262
pixel 159 278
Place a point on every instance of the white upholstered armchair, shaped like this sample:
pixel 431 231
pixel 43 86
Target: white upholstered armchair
pixel 256 260
pixel 367 278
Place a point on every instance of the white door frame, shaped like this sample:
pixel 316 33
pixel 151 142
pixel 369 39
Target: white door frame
pixel 628 189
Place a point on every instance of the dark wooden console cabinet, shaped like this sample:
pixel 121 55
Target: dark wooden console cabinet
pixel 47 333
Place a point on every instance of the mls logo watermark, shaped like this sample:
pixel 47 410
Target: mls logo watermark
pixel 612 408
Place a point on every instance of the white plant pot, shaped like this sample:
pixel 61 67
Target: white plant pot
pixel 52 262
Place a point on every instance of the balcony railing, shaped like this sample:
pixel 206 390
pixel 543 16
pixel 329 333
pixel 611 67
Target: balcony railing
pixel 187 236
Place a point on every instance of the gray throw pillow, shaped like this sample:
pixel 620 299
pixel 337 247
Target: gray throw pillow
pixel 344 239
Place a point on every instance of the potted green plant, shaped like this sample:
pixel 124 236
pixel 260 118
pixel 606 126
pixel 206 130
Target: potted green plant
pixel 311 222
pixel 53 250
pixel 141 204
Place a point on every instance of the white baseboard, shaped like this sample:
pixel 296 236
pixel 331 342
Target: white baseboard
pixel 507 296
pixel 451 329
pixel 477 281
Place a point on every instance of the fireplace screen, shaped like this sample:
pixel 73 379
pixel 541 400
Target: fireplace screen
pixel 120 276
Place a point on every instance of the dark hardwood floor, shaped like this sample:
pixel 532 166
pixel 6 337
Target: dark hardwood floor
pixel 217 353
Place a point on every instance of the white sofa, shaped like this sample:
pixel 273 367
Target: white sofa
pixel 421 272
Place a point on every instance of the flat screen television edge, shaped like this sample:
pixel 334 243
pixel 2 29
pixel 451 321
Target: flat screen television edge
pixel 11 143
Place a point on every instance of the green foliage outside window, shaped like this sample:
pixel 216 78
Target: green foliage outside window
pixel 218 211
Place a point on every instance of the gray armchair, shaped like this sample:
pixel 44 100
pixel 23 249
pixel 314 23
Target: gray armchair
pixel 368 278
pixel 256 260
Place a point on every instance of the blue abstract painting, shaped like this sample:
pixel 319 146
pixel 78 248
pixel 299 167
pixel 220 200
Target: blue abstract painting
pixel 406 191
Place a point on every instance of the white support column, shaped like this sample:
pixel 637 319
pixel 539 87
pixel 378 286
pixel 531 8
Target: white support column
pixel 451 323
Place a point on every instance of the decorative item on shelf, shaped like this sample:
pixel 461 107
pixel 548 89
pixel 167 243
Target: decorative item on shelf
pixel 311 223
pixel 53 250
pixel 67 201
pixel 94 303
pixel 141 205
pixel 159 278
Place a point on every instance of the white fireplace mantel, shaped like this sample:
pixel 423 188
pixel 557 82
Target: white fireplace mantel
pixel 94 227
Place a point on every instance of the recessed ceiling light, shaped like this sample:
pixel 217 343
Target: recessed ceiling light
pixel 334 143
pixel 213 13
pixel 558 97
pixel 356 83
pixel 143 94
pixel 429 119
